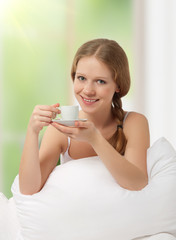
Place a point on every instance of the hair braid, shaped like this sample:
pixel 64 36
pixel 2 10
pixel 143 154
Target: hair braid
pixel 118 140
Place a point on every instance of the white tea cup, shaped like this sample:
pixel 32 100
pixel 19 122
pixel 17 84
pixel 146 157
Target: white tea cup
pixel 69 112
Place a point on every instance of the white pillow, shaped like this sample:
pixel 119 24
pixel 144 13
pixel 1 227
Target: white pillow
pixel 158 236
pixel 9 226
pixel 82 201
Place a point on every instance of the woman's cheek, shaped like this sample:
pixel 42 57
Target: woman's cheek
pixel 77 87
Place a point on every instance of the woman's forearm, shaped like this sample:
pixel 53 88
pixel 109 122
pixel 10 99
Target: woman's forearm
pixel 29 171
pixel 30 176
pixel 124 172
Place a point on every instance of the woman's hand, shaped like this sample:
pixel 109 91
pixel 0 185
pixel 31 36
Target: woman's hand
pixel 42 115
pixel 82 131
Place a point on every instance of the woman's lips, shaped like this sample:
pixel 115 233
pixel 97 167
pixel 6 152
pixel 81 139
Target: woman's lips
pixel 89 101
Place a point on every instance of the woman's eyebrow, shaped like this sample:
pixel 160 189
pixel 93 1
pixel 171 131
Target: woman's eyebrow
pixel 80 73
pixel 96 77
pixel 102 77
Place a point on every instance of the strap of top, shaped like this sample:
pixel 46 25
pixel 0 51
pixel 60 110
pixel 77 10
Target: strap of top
pixel 68 142
pixel 126 115
pixel 66 157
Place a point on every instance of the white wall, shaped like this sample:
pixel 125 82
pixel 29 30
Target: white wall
pixel 155 65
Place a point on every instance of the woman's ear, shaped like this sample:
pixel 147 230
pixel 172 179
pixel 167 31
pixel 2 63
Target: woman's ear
pixel 117 90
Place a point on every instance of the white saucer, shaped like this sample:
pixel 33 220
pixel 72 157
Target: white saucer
pixel 68 123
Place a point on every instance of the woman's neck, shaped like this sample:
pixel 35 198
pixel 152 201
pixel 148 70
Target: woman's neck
pixel 100 120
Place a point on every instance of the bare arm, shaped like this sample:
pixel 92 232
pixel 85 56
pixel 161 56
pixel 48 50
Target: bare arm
pixel 31 175
pixel 53 144
pixel 29 171
pixel 129 170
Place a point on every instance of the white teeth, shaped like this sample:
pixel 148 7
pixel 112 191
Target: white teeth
pixel 89 100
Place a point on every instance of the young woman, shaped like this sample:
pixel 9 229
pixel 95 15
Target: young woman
pixel 100 74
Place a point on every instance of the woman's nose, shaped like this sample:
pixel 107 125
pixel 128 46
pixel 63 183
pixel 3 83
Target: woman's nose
pixel 89 89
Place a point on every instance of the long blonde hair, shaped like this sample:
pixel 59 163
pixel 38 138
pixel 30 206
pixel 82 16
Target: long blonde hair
pixel 110 53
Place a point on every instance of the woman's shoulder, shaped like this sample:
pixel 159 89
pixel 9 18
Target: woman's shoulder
pixel 135 122
pixel 135 116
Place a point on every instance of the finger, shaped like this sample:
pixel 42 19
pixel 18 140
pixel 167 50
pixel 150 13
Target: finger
pixel 44 119
pixel 54 115
pixel 47 113
pixel 49 108
pixel 55 105
pixel 64 129
pixel 81 124
pixel 55 125
pixel 40 119
pixel 42 113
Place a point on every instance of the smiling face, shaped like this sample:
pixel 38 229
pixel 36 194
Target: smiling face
pixel 94 86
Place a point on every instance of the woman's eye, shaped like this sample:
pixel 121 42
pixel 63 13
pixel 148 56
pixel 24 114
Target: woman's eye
pixel 101 81
pixel 81 78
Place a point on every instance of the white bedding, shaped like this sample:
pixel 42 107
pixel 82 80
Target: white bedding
pixel 159 236
pixel 81 201
pixel 9 225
